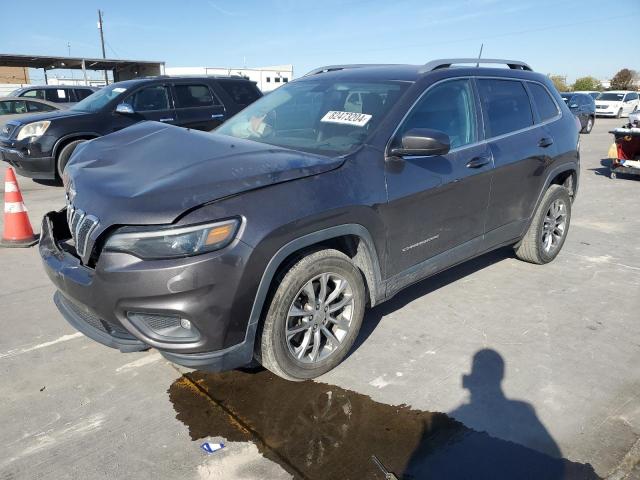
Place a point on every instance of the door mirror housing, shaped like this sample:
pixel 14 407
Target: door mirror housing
pixel 124 108
pixel 422 142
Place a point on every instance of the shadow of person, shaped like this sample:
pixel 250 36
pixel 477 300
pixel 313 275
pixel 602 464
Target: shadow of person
pixel 489 410
pixel 495 437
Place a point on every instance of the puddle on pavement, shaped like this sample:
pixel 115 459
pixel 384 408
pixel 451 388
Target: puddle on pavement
pixel 319 431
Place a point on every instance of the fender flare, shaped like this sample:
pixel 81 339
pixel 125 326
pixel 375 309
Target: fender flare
pixel 565 167
pixel 373 276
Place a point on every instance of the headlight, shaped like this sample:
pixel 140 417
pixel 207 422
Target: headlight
pixel 35 129
pixel 173 242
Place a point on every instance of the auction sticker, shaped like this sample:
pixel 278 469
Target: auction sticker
pixel 346 118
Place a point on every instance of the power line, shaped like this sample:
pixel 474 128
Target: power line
pixel 482 38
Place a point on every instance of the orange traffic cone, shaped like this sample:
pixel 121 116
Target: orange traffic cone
pixel 17 228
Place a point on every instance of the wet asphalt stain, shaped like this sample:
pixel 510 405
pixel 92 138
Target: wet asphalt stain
pixel 319 431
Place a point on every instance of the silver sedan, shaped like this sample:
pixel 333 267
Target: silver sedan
pixel 15 107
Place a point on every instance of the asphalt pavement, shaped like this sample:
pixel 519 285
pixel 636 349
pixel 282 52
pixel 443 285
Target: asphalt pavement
pixel 538 363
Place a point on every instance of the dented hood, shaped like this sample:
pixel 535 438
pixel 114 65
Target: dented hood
pixel 150 173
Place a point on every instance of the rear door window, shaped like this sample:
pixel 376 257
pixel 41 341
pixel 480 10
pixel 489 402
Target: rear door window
pixel 39 107
pixel 151 98
pixel 195 95
pixel 547 108
pixel 242 93
pixel 506 106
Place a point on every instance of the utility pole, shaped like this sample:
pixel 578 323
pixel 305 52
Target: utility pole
pixel 69 50
pixel 104 55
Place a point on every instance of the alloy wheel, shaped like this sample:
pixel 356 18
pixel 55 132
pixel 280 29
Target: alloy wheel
pixel 319 318
pixel 554 226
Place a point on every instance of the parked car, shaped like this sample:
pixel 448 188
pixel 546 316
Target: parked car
pixel 269 237
pixel 14 108
pixel 40 146
pixel 617 103
pixel 62 94
pixel 592 93
pixel 583 107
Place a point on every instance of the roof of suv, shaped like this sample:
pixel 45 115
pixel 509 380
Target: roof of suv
pixel 134 81
pixel 411 73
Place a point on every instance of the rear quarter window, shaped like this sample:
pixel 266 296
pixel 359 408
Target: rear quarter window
pixel 545 105
pixel 505 105
pixel 242 93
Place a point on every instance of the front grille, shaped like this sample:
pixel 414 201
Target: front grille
pixel 97 322
pixel 81 226
pixel 6 130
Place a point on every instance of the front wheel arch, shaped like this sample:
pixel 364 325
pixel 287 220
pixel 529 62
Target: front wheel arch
pixel 365 258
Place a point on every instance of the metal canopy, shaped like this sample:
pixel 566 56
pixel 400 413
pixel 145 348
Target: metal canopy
pixel 122 69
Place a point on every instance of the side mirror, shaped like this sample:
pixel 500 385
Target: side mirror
pixel 422 142
pixel 124 108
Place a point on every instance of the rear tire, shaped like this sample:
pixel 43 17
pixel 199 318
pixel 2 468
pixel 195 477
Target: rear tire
pixel 294 356
pixel 548 230
pixel 589 126
pixel 65 154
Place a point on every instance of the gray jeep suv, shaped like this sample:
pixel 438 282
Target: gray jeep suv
pixel 268 238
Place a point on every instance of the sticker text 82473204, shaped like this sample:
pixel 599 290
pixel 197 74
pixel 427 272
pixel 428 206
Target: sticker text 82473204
pixel 346 118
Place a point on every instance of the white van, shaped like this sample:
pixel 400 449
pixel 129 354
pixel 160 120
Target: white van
pixel 617 103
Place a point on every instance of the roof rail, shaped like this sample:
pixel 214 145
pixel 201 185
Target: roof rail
pixel 333 68
pixel 448 62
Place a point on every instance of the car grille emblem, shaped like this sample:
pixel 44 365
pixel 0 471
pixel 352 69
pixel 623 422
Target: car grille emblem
pixel 81 227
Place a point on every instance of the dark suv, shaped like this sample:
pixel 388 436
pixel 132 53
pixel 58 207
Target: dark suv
pixel 583 106
pixel 39 146
pixel 267 238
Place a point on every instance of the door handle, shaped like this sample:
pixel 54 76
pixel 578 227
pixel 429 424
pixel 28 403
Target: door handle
pixel 545 142
pixel 478 162
pixel 169 119
pixel 217 115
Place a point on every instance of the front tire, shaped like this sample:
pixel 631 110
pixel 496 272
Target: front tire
pixel 619 113
pixel 65 154
pixel 313 318
pixel 548 230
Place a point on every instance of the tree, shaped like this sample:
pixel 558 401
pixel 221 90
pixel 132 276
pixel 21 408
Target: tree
pixel 587 83
pixel 560 82
pixel 623 80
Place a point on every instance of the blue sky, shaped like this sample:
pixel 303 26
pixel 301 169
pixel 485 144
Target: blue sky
pixel 569 37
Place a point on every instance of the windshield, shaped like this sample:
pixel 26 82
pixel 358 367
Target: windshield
pixel 99 99
pixel 326 117
pixel 611 97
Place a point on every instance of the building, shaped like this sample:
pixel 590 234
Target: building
pixel 267 78
pixel 14 75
